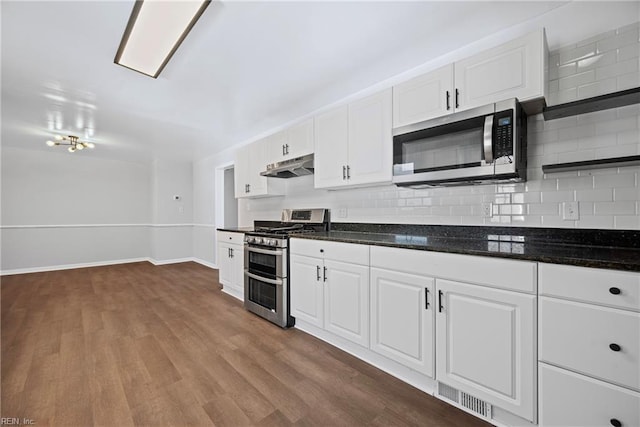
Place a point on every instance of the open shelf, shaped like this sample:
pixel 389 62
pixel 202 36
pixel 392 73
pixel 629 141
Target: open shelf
pixel 589 105
pixel 613 162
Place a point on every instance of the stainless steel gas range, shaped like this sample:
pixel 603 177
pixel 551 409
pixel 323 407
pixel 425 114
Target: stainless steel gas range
pixel 266 260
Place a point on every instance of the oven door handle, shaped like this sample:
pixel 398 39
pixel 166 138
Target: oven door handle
pixel 263 251
pixel 487 140
pixel 277 282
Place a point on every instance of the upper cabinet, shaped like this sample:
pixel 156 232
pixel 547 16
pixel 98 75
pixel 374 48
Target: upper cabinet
pixel 353 144
pixel 250 161
pixel 516 69
pixel 290 143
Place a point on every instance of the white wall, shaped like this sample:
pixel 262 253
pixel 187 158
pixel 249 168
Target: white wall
pixel 608 198
pixel 67 209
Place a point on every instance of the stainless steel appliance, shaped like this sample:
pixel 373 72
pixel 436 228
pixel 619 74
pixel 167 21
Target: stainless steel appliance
pixel 291 168
pixel 481 145
pixel 266 251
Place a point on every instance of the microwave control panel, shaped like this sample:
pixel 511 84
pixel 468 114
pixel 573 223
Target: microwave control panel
pixel 503 134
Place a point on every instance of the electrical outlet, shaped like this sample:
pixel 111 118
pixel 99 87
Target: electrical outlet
pixel 570 211
pixel 342 212
pixel 487 210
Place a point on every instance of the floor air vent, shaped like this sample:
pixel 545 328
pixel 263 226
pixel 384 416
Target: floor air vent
pixel 465 400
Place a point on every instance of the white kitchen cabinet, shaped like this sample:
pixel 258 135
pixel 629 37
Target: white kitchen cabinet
pixel 249 162
pixel 353 144
pixel 589 344
pixel 290 143
pixel 516 69
pixel 231 263
pixel 402 318
pixel 331 290
pixel 424 97
pixel 486 344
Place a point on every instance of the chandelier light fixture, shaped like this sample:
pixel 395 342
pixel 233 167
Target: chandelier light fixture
pixel 155 31
pixel 73 142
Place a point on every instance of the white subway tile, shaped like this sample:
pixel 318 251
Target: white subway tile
pixel 543 209
pixel 428 201
pixel 579 79
pixel 618 125
pixel 529 220
pixel 585 208
pixel 472 220
pixel 619 40
pixel 578 53
pixel 400 203
pixel 628 52
pixel 621 194
pixel 566 174
pixel 582 131
pixel 553 86
pixel 567 69
pixel 615 70
pixel 461 210
pixel 601 87
pixel 405 193
pixel 576 156
pixel 502 199
pixel 600 60
pixel 627 222
pixel 596 116
pixel 628 111
pixel 450 200
pixel 614 181
pixel 546 137
pixel 604 140
pixel 597 38
pixel 441 210
pixel 618 151
pixel 557 196
pixel 556 221
pixel 562 146
pixel 628 81
pixel 566 95
pixel 414 202
pixel 629 27
pixel 577 183
pixel 615 208
pixel 605 221
pixel 599 195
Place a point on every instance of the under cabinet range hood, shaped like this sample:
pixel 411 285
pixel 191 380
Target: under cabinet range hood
pixel 291 168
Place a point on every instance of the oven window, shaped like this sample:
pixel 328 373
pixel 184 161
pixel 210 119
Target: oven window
pixel 262 293
pixel 263 264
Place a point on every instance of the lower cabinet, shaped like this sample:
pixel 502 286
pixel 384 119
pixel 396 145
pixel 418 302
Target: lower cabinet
pixel 485 344
pixel 231 263
pixel 331 294
pixel 402 318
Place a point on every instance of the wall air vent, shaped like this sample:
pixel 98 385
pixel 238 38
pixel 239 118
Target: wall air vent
pixel 465 400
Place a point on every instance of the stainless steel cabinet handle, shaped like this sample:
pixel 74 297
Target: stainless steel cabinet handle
pixel 283 152
pixel 230 252
pixel 426 298
pixel 448 97
pixel 439 301
pixel 348 172
pixel 324 273
pixel 317 273
pixel 286 148
pixel 344 172
pixel 457 98
pixel 263 279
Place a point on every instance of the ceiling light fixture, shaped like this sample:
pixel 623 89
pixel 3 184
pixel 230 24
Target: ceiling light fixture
pixel 154 33
pixel 72 141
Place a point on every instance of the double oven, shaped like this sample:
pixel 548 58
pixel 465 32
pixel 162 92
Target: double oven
pixel 266 252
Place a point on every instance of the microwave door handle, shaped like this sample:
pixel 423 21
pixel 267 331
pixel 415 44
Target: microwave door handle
pixel 487 143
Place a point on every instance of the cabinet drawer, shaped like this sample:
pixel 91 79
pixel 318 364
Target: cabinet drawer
pixel 346 252
pixel 605 287
pixel 229 237
pixel 578 336
pixel 569 399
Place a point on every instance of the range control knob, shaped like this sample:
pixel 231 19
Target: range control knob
pixel 257 240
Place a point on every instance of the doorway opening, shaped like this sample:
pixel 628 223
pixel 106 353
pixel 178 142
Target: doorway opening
pixel 226 202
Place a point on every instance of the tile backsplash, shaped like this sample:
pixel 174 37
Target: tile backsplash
pixel 606 198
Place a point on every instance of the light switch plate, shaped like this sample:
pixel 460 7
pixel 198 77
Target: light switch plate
pixel 570 211
pixel 487 210
pixel 342 212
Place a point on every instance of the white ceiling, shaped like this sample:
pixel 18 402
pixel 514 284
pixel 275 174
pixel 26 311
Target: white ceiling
pixel 245 68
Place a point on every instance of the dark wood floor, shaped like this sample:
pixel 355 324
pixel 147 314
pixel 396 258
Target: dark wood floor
pixel 137 344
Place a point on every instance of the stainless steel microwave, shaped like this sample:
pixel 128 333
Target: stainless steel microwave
pixel 482 145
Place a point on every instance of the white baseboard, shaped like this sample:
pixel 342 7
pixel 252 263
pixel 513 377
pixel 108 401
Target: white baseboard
pixel 70 266
pixel 103 263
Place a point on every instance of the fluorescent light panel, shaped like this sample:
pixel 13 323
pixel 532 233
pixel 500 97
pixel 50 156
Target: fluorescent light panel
pixel 154 31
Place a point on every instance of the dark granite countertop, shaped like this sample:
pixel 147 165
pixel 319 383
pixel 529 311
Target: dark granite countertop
pixel 236 229
pixel 611 249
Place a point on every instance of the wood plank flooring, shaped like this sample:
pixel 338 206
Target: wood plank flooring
pixel 144 345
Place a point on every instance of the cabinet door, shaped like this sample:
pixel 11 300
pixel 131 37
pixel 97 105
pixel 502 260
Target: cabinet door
pixel 346 301
pixel 237 264
pixel 307 289
pixel 370 140
pixel 331 131
pixel 276 147
pixel 241 172
pixel 299 140
pixel 512 70
pixel 424 97
pixel 257 164
pixel 485 344
pixel 402 324
pixel 225 265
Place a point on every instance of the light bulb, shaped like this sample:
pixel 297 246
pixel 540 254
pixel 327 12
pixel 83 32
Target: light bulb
pixel 71 149
pixel 51 143
pixel 59 137
pixel 91 145
pixel 79 146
